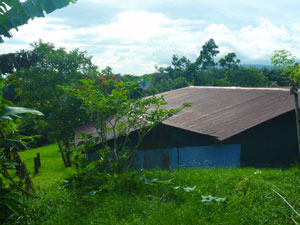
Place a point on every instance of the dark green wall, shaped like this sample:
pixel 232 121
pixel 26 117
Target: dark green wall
pixel 164 136
pixel 270 144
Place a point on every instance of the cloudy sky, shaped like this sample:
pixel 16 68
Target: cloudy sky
pixel 133 36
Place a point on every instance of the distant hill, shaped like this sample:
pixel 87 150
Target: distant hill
pixel 259 66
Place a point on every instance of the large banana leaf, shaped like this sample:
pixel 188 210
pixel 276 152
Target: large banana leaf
pixel 10 113
pixel 14 13
pixel 4 161
pixel 12 143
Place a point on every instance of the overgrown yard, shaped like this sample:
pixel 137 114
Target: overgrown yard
pixel 52 168
pixel 191 196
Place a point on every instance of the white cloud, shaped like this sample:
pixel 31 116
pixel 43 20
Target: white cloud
pixel 133 26
pixel 133 4
pixel 138 40
pixel 47 29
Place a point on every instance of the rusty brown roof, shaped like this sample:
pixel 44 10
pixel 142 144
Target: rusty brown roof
pixel 223 112
pixel 226 111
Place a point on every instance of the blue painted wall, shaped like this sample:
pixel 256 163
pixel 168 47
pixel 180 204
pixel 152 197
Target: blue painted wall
pixel 212 156
pixel 217 156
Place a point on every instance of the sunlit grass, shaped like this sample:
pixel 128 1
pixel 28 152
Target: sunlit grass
pixel 52 168
pixel 248 192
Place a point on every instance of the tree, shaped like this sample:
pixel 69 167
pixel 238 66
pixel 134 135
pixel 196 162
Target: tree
pixel 38 87
pixel 285 61
pixel 14 13
pixel 107 71
pixel 246 77
pixel 229 61
pixel 180 63
pixel 275 77
pixel 182 68
pixel 207 54
pixel 12 62
pixel 179 82
pixel 10 143
pixel 117 115
pixel 10 140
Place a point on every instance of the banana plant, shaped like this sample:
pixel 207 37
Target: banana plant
pixel 11 202
pixel 11 112
pixel 14 13
pixel 10 140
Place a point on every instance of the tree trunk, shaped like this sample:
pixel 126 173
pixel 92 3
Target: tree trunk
pixel 62 154
pixel 294 91
pixel 68 154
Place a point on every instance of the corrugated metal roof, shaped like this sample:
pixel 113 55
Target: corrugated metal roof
pixel 223 111
pixel 226 111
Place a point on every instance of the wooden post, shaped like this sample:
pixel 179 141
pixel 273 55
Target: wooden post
pixel 36 165
pixel 39 159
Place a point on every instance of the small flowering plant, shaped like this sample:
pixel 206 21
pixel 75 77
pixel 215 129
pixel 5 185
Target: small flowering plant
pixel 118 109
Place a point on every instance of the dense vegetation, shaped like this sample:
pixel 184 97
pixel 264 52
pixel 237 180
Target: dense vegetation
pixel 191 196
pixel 207 71
pixel 68 90
pixel 15 182
pixel 38 85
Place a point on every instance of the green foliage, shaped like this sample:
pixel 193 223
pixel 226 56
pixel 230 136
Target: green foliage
pixel 11 202
pixel 97 183
pixel 160 197
pixel 14 13
pixel 285 61
pixel 275 78
pixel 229 61
pixel 192 196
pixel 207 54
pixel 247 77
pixel 210 199
pixel 10 112
pixel 118 112
pixel 16 61
pixel 52 168
pixel 30 125
pixel 179 82
pixel 206 71
pixel 37 87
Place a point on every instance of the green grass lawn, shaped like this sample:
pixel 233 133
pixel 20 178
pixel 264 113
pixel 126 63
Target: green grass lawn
pixel 52 168
pixel 175 198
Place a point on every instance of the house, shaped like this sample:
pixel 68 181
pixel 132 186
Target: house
pixel 224 127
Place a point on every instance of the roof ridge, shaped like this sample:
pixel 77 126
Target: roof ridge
pixel 244 88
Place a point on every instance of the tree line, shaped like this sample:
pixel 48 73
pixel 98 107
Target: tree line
pixel 49 79
pixel 35 78
pixel 206 70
